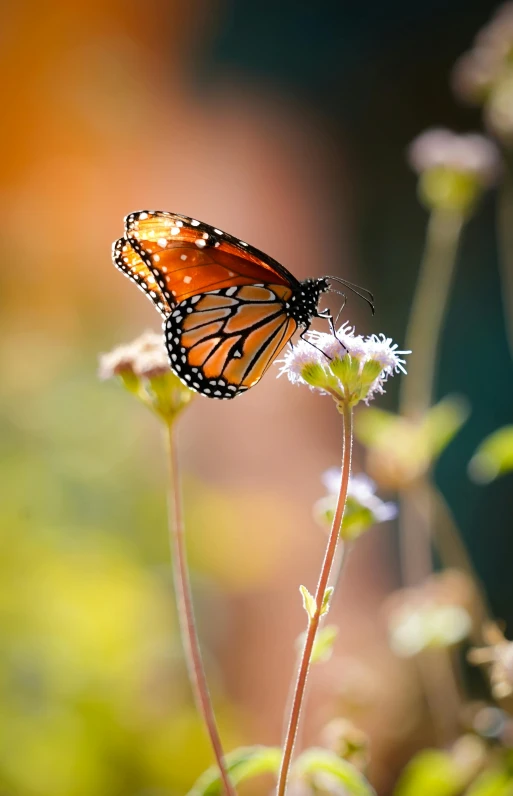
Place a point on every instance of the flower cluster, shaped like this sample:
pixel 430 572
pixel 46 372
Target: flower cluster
pixel 143 368
pixel 484 74
pixel 454 169
pixel 363 507
pixel 349 367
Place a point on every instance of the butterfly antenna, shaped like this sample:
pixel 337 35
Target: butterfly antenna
pixel 362 292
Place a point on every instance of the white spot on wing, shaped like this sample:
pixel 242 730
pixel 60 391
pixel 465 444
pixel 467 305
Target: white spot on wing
pixel 162 242
pixel 200 243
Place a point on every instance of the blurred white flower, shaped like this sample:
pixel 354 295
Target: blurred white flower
pixel 146 356
pixel 362 490
pixel 471 154
pixel 143 368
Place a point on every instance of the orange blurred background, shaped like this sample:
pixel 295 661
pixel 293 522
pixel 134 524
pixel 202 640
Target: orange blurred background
pixel 111 107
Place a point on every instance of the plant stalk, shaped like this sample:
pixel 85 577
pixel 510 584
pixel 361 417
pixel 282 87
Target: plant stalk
pixel 185 609
pixel 428 310
pixel 416 516
pixel 505 241
pixel 304 666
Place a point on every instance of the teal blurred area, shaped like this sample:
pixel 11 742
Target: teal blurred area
pixel 285 124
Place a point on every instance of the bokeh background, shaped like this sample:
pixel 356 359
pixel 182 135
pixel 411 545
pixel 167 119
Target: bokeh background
pixel 286 124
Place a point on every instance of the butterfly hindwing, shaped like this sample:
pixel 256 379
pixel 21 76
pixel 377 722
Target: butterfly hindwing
pixel 221 342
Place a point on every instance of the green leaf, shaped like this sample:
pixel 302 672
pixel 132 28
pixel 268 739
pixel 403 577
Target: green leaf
pixel 493 457
pixel 430 773
pixel 309 603
pixel 322 761
pixel 491 783
pixel 370 424
pixel 242 764
pixel 325 607
pixel 323 645
pixel 443 421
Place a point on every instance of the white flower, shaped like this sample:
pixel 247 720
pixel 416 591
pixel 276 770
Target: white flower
pixel 146 356
pixel 471 154
pixel 362 490
pixel 347 366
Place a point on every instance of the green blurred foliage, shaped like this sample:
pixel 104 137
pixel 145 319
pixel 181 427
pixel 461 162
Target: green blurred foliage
pixel 494 456
pixel 94 697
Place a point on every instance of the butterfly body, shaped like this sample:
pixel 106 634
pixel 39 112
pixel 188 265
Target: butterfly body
pixel 228 308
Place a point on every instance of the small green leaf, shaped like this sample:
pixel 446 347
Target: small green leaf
pixel 242 764
pixel 430 773
pixel 493 457
pixel 309 603
pixel 322 761
pixel 325 607
pixel 443 421
pixel 323 644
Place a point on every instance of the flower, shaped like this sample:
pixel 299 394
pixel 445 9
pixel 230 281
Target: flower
pixel 363 507
pixel 453 169
pixel 349 367
pixel 488 61
pixel 435 614
pixel 143 368
pixel 498 654
pixel 146 356
pixel 484 74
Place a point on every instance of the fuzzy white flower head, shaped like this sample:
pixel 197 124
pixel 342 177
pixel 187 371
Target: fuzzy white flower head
pixel 143 368
pixel 145 356
pixel 362 490
pixel 471 154
pixel 349 367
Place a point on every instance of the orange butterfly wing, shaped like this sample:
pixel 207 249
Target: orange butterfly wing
pixel 130 263
pixel 187 257
pixel 222 342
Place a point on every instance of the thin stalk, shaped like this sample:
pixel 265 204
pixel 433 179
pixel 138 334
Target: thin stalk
pixel 336 574
pixel 188 630
pixel 428 310
pixel 505 241
pixel 306 656
pixel 423 336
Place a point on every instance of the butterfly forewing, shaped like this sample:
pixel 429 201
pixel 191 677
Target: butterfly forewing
pixel 132 265
pixel 188 257
pixel 221 343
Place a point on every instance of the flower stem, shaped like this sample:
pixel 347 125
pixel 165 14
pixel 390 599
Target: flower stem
pixel 188 630
pixel 423 335
pixel 428 310
pixel 505 240
pixel 304 666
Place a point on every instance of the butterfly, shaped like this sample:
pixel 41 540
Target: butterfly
pixel 228 308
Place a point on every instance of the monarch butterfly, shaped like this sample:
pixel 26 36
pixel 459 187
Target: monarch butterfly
pixel 228 308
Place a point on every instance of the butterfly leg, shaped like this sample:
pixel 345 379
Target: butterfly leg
pixel 302 336
pixel 329 317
